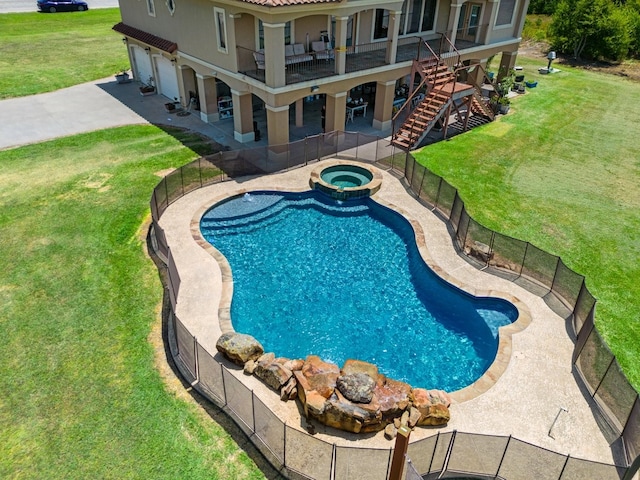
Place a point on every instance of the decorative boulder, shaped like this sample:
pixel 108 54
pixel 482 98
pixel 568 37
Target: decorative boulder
pixel 239 348
pixel 321 376
pixel 433 406
pixel 357 387
pixel 358 366
pixel 345 415
pixel 437 415
pixel 393 396
pixel 273 374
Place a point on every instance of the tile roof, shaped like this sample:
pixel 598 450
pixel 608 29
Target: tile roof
pixel 283 3
pixel 151 40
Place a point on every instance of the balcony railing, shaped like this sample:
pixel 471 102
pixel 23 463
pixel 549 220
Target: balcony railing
pixel 358 57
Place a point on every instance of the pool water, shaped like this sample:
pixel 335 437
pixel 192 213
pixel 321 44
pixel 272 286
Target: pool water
pixel 346 176
pixel 345 280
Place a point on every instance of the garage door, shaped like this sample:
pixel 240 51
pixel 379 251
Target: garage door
pixel 167 79
pixel 142 64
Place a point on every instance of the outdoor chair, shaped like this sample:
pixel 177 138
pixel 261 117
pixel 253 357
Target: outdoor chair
pixel 322 50
pixel 259 59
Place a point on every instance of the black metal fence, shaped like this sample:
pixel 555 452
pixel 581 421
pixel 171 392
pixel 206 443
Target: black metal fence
pixel 300 455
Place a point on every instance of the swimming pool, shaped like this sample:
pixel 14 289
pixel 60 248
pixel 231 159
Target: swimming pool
pixel 341 280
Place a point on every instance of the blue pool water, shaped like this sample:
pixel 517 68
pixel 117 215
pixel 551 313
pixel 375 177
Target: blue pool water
pixel 345 280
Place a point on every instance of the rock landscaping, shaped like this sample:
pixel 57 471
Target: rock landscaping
pixel 355 398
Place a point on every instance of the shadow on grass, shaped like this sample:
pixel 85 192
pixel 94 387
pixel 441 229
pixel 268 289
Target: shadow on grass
pixel 214 412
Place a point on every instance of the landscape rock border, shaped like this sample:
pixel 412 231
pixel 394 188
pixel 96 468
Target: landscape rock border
pixel 355 398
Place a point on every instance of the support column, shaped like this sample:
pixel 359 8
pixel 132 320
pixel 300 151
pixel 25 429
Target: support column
pixel 476 75
pixel 490 13
pixel 383 113
pixel 208 94
pixel 452 26
pixel 186 84
pixel 521 14
pixel 277 124
pixel 336 112
pixel 507 62
pixel 274 54
pixel 300 112
pixel 341 45
pixel 242 116
pixel 392 37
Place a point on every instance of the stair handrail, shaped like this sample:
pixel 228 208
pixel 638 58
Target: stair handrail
pixel 404 105
pixel 474 83
pixel 451 53
pixel 428 99
pixel 424 44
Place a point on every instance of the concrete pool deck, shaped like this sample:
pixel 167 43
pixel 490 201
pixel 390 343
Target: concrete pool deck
pixel 530 384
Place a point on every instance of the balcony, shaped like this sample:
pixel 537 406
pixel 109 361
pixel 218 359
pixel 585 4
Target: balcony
pixel 358 58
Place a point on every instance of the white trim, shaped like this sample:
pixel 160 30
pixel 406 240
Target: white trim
pixel 209 117
pixel 283 108
pixel 170 4
pixel 516 4
pixel 151 8
pixel 244 137
pixel 220 20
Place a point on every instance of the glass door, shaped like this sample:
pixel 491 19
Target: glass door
pixel 469 22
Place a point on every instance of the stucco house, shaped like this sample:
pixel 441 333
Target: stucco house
pixel 234 58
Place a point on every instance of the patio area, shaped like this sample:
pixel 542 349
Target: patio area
pixel 535 399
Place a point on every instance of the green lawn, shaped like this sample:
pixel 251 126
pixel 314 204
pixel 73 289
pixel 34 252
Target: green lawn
pixel 80 396
pixel 43 52
pixel 562 171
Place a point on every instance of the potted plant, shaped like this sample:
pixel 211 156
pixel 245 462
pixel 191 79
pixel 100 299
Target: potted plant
pixel 122 76
pixel 503 104
pixel 148 88
pixel 172 107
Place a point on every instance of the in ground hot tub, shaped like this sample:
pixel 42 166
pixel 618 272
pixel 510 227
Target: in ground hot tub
pixel 343 180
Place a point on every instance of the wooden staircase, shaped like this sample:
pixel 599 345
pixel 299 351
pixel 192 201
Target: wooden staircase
pixel 422 119
pixel 442 90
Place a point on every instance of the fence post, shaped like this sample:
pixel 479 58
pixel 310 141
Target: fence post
pixel 224 385
pixel 504 454
pixel 564 466
pixel 435 204
pixel 583 287
pixel 332 468
pixel 524 258
pixel 613 359
pixel 433 454
pixel 399 453
pixel 166 191
pixel 555 274
pixel 633 469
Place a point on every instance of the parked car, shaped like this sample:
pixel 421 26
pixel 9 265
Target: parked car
pixel 53 6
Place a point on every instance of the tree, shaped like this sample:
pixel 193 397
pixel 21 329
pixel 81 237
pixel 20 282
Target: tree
pixel 544 7
pixel 595 28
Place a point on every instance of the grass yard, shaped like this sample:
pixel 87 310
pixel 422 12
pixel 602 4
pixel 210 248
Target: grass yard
pixel 80 396
pixel 562 170
pixel 43 52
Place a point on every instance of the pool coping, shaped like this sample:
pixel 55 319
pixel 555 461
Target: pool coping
pixel 519 397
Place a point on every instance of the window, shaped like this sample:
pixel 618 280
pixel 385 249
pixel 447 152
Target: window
pixel 417 16
pixel 505 12
pixel 171 5
pixel 429 16
pixel 151 8
pixel 287 34
pixel 381 25
pixel 221 29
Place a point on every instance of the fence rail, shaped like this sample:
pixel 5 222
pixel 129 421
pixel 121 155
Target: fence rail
pixel 299 455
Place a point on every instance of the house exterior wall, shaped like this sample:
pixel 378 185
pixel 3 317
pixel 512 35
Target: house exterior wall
pixel 193 26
